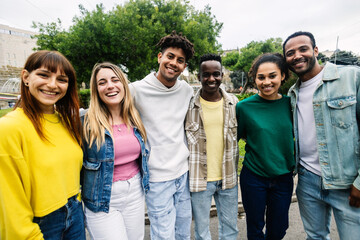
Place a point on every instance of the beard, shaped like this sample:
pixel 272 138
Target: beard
pixel 311 63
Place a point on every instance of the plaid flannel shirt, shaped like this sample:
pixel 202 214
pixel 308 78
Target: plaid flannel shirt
pixel 196 139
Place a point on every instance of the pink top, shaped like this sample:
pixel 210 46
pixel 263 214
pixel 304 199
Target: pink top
pixel 127 150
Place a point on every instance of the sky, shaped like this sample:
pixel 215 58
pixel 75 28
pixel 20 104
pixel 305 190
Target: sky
pixel 243 20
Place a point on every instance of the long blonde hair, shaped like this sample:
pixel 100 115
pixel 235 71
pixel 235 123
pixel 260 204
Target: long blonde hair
pixel 97 118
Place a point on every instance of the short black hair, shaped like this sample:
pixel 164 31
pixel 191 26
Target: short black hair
pixel 209 57
pixel 276 58
pixel 178 41
pixel 300 33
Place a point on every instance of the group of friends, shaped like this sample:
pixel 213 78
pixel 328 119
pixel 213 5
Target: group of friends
pixel 154 141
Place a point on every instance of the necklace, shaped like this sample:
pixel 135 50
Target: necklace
pixel 117 127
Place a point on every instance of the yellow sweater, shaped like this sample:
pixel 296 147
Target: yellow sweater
pixel 36 177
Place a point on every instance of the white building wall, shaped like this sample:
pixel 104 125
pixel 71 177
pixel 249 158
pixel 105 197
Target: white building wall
pixel 15 46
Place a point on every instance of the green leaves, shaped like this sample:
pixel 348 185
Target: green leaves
pixel 344 58
pixel 127 35
pixel 241 61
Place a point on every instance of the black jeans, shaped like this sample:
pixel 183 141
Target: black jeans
pixel 262 195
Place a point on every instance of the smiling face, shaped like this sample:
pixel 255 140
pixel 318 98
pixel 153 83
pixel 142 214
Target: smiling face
pixel 268 80
pixel 210 77
pixel 301 57
pixel 172 63
pixel 110 88
pixel 46 87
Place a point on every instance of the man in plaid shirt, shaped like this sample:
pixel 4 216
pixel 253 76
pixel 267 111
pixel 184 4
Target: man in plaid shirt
pixel 211 130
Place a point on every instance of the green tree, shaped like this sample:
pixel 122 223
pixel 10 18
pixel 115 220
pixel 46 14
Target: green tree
pixel 54 36
pixel 322 58
pixel 344 58
pixel 127 35
pixel 88 41
pixel 237 78
pixel 231 60
pixel 242 61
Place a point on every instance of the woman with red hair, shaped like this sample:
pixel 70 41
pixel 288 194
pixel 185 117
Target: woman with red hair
pixel 41 156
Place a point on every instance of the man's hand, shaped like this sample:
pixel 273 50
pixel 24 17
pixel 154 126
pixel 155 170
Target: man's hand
pixel 354 198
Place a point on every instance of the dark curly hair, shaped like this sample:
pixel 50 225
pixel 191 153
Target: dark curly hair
pixel 178 41
pixel 276 58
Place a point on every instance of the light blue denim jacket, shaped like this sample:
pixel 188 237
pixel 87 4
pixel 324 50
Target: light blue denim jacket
pixel 336 104
pixel 97 172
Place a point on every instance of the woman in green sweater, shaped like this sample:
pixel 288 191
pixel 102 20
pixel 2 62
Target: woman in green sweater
pixel 264 121
pixel 40 154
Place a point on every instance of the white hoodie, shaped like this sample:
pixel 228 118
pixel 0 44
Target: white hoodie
pixel 163 112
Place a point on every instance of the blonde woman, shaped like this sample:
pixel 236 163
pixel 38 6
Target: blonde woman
pixel 115 173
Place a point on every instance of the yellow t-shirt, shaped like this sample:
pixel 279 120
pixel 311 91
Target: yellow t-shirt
pixel 36 177
pixel 214 130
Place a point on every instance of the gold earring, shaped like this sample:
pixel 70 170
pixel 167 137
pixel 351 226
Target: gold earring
pixel 26 84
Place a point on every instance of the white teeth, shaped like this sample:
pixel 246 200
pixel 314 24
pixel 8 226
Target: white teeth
pixel 171 70
pixel 299 63
pixel 111 94
pixel 49 93
pixel 267 88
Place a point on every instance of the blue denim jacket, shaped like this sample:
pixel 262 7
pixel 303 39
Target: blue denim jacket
pixel 97 172
pixel 336 104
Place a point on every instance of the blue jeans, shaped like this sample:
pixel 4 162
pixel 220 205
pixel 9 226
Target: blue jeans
pixel 316 203
pixel 262 195
pixel 227 210
pixel 66 223
pixel 169 209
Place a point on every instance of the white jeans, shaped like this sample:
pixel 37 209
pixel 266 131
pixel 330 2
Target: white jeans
pixel 126 216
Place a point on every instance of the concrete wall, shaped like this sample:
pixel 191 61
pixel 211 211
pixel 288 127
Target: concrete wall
pixel 15 47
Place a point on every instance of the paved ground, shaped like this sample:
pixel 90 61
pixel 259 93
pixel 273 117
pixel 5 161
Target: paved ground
pixel 295 231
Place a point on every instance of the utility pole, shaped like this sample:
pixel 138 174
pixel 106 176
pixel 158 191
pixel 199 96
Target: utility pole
pixel 336 50
pixel 242 79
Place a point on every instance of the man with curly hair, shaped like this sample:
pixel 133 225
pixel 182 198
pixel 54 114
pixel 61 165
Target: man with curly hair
pixel 162 101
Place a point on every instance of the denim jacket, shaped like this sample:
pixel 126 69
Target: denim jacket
pixel 336 104
pixel 98 169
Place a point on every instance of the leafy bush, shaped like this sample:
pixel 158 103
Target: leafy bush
pixel 245 95
pixel 84 96
pixel 241 142
pixel 241 153
pixel 288 83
